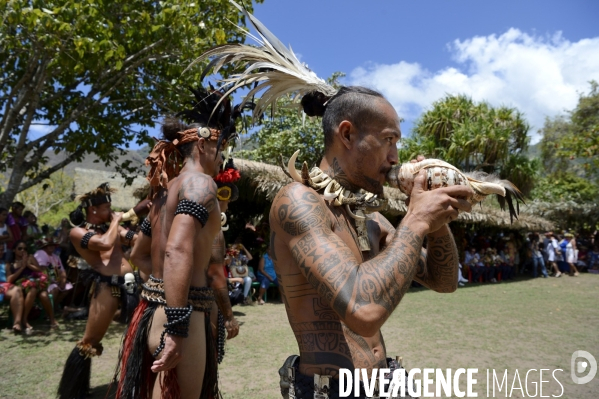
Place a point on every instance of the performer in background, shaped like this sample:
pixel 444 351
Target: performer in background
pixel 224 324
pixel 170 335
pixel 98 238
pixel 342 266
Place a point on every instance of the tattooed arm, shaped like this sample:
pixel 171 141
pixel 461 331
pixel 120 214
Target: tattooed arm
pixel 218 283
pixel 441 258
pixel 362 294
pixel 442 261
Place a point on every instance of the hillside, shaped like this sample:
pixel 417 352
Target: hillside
pixel 137 158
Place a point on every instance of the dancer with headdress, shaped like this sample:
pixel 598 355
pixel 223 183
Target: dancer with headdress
pixel 342 266
pixel 170 335
pixel 98 239
pixel 224 324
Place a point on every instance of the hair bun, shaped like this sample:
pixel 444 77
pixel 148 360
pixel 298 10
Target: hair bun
pixel 313 103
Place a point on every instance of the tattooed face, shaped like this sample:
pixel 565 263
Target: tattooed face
pixel 376 150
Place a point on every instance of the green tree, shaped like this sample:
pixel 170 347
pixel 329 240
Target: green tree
pixel 48 195
pixel 284 134
pixel 474 136
pixel 93 75
pixel 287 131
pixel 570 144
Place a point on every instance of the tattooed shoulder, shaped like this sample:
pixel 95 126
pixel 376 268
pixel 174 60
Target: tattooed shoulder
pixel 199 188
pixel 297 208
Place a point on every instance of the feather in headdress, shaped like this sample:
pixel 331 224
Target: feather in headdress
pixel 97 196
pixel 271 67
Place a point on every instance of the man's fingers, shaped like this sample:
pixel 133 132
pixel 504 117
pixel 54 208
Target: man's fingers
pixel 420 181
pixel 460 204
pixel 457 191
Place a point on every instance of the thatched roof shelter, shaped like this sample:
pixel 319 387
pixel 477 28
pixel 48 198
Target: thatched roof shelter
pixel 260 183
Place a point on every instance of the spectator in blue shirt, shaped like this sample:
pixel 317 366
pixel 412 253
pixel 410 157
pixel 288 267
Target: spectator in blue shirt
pixel 266 275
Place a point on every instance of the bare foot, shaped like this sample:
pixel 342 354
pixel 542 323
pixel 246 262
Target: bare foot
pixel 16 328
pixel 54 325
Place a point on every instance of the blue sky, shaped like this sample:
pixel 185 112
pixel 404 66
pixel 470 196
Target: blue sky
pixel 535 55
pixel 531 54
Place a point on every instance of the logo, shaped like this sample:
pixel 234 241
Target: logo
pixel 580 366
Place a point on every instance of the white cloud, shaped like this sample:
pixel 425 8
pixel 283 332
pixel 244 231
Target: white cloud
pixel 541 76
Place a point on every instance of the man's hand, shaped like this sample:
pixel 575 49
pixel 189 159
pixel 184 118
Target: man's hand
pixel 437 207
pixel 116 217
pixel 232 327
pixel 171 354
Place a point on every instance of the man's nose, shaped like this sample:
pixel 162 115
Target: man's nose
pixel 393 157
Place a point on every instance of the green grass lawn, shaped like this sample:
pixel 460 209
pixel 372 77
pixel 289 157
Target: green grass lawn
pixel 528 324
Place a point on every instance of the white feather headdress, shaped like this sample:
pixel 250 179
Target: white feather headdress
pixel 272 67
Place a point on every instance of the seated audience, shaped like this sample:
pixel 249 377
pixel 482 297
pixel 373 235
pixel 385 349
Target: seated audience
pixel 26 274
pixel 11 293
pixel 51 264
pixel 238 270
pixel 472 260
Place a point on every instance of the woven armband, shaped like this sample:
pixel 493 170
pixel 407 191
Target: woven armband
pixel 194 209
pixel 85 239
pixel 146 227
pixel 129 236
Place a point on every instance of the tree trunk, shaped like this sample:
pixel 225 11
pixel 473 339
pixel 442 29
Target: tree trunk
pixel 16 177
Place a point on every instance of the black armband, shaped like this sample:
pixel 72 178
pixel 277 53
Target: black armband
pixel 146 227
pixel 194 209
pixel 177 323
pixel 129 236
pixel 85 239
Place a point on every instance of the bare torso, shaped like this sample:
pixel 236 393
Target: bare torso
pixel 325 342
pixel 107 263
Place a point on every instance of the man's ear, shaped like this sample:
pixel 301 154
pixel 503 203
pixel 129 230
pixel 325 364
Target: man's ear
pixel 202 145
pixel 346 133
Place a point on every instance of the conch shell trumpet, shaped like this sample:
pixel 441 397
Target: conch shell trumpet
pixel 442 174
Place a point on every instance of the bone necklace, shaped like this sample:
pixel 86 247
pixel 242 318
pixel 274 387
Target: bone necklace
pixel 337 195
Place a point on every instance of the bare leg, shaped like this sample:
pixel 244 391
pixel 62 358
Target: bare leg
pixel 191 368
pixel 573 269
pixel 15 294
pixel 101 309
pixel 47 304
pixel 29 301
pixel 261 295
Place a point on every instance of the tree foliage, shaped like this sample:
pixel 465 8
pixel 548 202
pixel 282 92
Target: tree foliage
pixel 48 195
pixel 474 136
pixel 287 131
pixel 570 144
pixel 90 76
pixel 565 187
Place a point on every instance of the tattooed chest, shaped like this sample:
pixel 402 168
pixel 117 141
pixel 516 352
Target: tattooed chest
pixel 343 226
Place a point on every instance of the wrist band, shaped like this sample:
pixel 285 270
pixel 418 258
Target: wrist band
pixel 177 324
